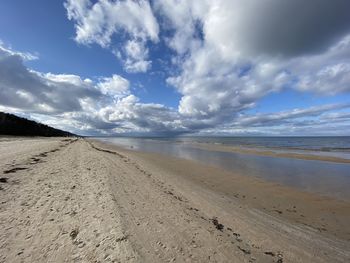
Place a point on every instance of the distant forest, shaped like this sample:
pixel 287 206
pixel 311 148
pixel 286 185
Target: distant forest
pixel 13 125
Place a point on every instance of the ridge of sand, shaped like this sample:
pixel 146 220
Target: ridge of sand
pixel 74 200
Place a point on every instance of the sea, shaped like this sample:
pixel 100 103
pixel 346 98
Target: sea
pixel 321 177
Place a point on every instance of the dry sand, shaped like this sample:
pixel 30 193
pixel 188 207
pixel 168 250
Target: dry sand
pixel 75 200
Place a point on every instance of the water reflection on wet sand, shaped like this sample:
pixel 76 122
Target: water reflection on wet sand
pixel 331 179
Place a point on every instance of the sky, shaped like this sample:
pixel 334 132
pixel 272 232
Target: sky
pixel 178 67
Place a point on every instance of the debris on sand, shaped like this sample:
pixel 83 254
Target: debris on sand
pixel 13 170
pixel 217 224
pixel 121 238
pixel 74 233
pixel 3 180
pixel 244 250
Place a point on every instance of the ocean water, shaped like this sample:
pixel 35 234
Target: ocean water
pixel 325 178
pixel 326 146
pixel 320 145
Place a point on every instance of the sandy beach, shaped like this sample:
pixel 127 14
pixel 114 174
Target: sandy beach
pixel 80 200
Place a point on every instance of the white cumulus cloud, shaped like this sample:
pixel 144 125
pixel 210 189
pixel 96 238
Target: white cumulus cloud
pixel 98 22
pixel 246 50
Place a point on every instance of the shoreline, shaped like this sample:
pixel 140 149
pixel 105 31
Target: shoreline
pixel 270 152
pixel 301 154
pixel 84 200
pixel 305 174
pixel 255 192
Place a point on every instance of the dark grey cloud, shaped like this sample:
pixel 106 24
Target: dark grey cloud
pixel 296 27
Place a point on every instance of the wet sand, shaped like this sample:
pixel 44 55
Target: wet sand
pixel 65 200
pixel 315 176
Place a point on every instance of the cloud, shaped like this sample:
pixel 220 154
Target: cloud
pixel 140 117
pixel 273 119
pixel 244 51
pixel 329 119
pixel 115 86
pixel 226 55
pixel 136 57
pixel 182 18
pixel 80 105
pixel 24 55
pixel 36 93
pixel 326 73
pixel 107 106
pixel 276 28
pixel 98 22
pixel 30 90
